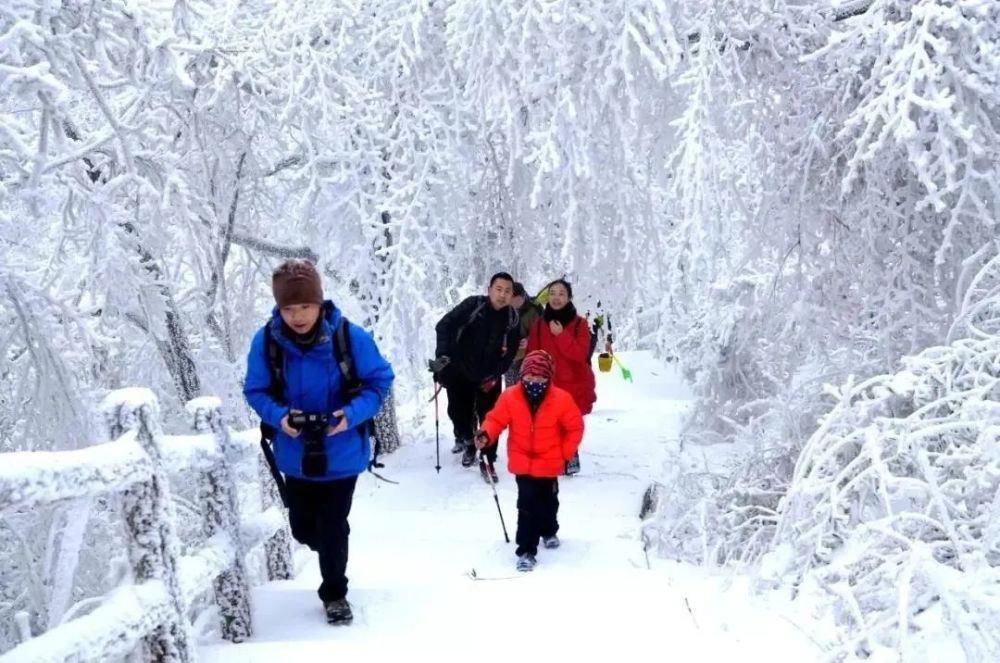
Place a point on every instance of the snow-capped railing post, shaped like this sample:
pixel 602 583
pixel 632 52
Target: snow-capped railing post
pixel 217 492
pixel 277 548
pixel 149 519
pixel 386 427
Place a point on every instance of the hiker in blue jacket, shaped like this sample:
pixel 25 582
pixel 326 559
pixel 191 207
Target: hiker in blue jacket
pixel 316 380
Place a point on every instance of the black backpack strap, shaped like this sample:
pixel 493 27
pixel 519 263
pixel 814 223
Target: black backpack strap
pixel 472 318
pixel 352 386
pixel 345 360
pixel 272 463
pixel 276 366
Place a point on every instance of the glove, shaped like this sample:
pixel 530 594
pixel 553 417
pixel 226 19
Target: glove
pixel 482 440
pixel 487 385
pixel 435 366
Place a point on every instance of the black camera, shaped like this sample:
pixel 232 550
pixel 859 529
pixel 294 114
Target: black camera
pixel 309 421
pixel 313 426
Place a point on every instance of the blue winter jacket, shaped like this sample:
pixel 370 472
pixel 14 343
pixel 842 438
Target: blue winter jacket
pixel 312 384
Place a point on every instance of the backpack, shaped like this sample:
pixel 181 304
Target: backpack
pixel 351 386
pixel 513 320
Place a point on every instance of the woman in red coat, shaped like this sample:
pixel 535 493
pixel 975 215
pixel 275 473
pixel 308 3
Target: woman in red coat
pixel 545 431
pixel 565 335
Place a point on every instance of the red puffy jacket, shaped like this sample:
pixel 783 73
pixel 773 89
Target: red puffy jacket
pixel 538 445
pixel 570 350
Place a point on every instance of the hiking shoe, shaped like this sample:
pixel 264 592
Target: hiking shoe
pixel 460 446
pixel 468 456
pixel 338 612
pixel 550 542
pixel 526 562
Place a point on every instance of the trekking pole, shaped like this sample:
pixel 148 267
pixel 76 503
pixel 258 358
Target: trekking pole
pixel 496 498
pixel 437 428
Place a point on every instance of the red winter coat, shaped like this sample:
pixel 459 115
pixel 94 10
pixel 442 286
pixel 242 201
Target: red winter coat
pixel 538 445
pixel 569 350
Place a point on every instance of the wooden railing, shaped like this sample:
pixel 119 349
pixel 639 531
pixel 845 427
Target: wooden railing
pixel 151 612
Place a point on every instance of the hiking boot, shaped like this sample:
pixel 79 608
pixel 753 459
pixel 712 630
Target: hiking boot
pixel 338 612
pixel 468 456
pixel 526 562
pixel 550 542
pixel 460 446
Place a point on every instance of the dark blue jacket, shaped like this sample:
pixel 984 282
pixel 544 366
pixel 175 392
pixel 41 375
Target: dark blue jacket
pixel 312 384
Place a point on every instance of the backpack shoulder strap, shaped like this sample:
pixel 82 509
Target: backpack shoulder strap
pixel 345 360
pixel 352 387
pixel 275 364
pixel 476 311
pixel 472 317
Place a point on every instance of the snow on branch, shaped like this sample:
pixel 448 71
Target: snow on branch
pixel 892 510
pixel 273 249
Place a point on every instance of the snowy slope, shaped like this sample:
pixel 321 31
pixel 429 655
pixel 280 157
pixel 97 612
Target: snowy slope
pixel 413 546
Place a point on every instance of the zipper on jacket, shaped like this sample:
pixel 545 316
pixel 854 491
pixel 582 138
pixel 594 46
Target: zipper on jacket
pixel 532 414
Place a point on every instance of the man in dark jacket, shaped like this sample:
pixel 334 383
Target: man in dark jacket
pixel 319 426
pixel 476 343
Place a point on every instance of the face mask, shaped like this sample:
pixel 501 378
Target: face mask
pixel 535 390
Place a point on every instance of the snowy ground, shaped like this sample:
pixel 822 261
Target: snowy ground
pixel 414 545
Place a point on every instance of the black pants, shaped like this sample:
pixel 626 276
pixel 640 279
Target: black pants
pixel 537 509
pixel 467 408
pixel 317 514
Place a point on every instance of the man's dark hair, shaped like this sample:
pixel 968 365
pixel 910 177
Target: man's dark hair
pixel 519 290
pixel 501 276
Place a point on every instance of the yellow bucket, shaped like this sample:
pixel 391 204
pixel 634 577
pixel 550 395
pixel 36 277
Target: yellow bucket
pixel 604 362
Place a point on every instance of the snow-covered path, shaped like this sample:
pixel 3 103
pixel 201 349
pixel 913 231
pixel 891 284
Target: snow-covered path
pixel 413 546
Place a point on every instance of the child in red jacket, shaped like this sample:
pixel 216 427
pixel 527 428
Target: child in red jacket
pixel 545 431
